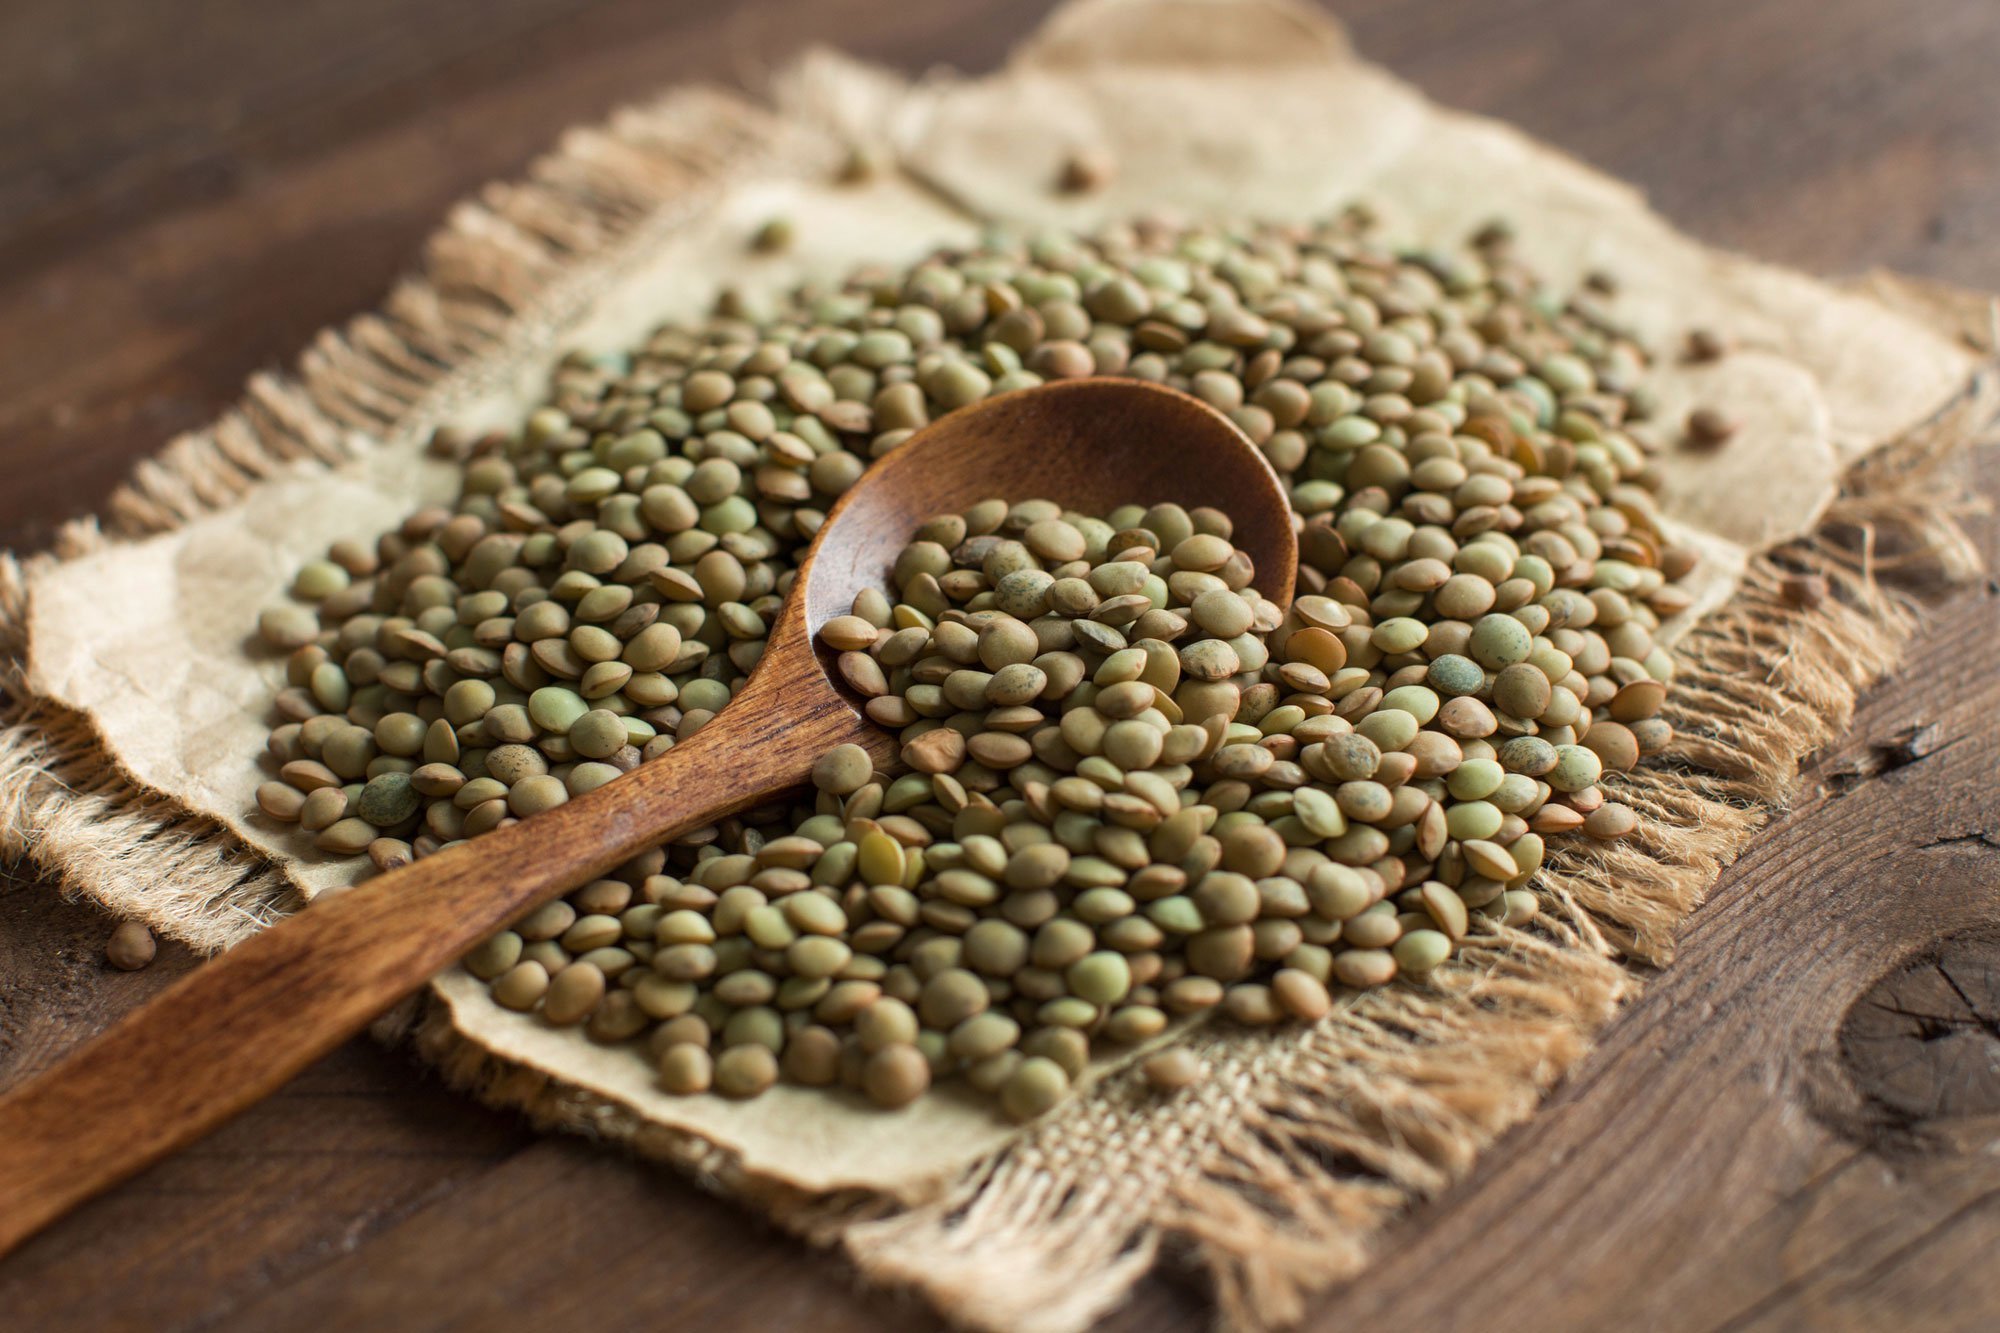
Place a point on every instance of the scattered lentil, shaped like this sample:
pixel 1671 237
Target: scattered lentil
pixel 1708 428
pixel 1085 170
pixel 1805 591
pixel 775 234
pixel 130 947
pixel 1706 345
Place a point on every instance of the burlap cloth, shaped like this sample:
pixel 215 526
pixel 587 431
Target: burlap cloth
pixel 127 742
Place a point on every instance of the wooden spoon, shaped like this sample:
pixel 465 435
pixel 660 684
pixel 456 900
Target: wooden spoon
pixel 240 1026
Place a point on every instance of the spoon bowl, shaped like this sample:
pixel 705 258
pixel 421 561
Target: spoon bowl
pixel 233 1031
pixel 1090 445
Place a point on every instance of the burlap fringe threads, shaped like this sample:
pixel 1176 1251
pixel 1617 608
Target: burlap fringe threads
pixel 1277 1173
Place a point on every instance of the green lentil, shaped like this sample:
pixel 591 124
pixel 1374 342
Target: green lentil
pixel 1138 789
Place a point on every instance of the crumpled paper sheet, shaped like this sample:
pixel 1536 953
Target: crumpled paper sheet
pixel 1208 107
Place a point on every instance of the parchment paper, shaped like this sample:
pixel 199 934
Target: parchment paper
pixel 1242 107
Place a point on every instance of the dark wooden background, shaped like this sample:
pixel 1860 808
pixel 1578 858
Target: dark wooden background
pixel 1794 1128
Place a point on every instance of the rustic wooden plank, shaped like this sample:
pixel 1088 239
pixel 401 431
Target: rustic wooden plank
pixel 609 1242
pixel 346 1148
pixel 54 983
pixel 1710 1167
pixel 1829 136
pixel 228 253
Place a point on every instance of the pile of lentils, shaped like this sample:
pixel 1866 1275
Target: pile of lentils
pixel 1135 790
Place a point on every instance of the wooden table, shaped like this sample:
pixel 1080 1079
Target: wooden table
pixel 1795 1127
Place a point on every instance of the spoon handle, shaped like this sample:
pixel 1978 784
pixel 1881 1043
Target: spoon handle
pixel 242 1024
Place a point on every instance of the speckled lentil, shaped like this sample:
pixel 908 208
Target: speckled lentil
pixel 1482 572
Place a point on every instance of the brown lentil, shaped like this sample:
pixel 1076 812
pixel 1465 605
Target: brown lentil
pixel 1482 574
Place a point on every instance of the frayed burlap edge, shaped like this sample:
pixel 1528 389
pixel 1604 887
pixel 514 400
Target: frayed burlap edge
pixel 1277 1173
pixel 66 809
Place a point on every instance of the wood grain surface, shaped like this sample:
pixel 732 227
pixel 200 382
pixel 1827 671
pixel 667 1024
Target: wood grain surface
pixel 1793 1128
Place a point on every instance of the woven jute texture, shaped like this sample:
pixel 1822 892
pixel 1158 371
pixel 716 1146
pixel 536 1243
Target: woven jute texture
pixel 1274 1176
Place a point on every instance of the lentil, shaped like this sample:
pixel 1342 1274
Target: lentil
pixel 1137 788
